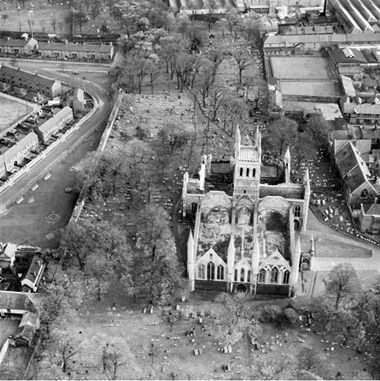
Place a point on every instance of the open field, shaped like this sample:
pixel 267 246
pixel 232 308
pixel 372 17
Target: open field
pixel 46 18
pixel 309 88
pixel 301 67
pixel 11 111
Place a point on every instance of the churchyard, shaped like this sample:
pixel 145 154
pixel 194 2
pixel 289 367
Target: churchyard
pixel 194 347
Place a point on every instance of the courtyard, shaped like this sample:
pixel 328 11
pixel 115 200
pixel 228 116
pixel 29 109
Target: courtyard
pixel 11 110
pixel 301 67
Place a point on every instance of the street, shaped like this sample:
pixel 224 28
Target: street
pixel 28 221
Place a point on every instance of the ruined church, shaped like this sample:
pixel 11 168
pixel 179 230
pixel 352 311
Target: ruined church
pixel 247 219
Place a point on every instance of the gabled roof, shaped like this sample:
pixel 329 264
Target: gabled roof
pixel 372 209
pixel 12 43
pixel 275 259
pixel 70 48
pixel 34 274
pixel 247 141
pixel 347 56
pixel 52 121
pixel 351 166
pixel 27 76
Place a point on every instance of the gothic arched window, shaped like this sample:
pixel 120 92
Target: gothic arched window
pixel 220 272
pixel 242 275
pixel 249 276
pixel 286 277
pixel 274 275
pixel 236 275
pixel 297 211
pixel 201 271
pixel 241 172
pixel 262 276
pixel 210 271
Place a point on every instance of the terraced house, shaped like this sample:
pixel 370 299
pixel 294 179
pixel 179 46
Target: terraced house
pixel 33 82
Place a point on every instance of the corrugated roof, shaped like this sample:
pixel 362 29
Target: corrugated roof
pixel 340 56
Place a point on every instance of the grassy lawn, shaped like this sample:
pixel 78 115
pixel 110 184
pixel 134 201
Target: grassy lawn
pixel 11 111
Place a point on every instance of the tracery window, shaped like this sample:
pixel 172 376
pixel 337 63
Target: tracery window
pixel 242 275
pixel 274 275
pixel 262 276
pixel 297 211
pixel 220 272
pixel 286 277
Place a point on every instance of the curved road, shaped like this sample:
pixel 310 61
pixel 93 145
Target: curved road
pixel 29 221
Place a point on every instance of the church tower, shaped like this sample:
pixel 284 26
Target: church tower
pixel 247 166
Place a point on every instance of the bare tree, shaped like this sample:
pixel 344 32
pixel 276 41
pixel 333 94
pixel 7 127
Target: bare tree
pixel 153 352
pixel 111 360
pixel 243 60
pixel 174 137
pixel 67 352
pixel 54 24
pixel 342 281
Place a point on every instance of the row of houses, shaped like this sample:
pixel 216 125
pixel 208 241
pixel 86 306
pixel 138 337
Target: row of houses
pixel 34 82
pixel 296 44
pixel 61 51
pixel 15 146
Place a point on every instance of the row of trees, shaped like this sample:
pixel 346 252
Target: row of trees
pixel 284 132
pixel 145 262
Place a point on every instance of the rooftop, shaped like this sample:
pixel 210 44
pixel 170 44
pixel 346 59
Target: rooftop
pixel 26 75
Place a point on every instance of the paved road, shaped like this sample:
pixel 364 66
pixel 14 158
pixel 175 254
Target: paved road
pixel 97 120
pixel 341 248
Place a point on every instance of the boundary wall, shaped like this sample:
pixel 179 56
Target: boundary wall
pixel 102 144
